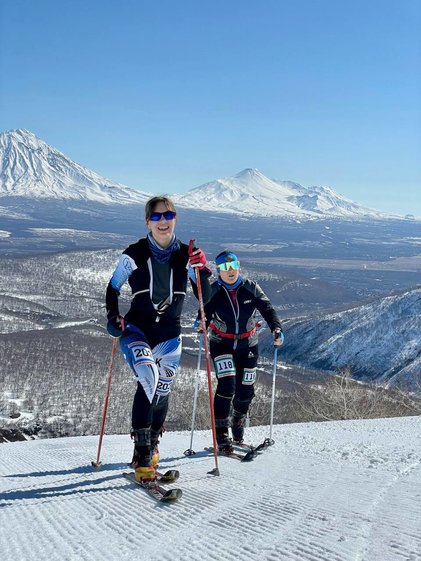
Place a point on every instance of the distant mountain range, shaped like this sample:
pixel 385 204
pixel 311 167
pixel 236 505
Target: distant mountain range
pixel 31 169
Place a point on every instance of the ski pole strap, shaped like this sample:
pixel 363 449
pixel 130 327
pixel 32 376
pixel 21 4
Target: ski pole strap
pixel 233 335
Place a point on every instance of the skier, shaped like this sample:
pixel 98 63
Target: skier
pixel 157 269
pixel 230 317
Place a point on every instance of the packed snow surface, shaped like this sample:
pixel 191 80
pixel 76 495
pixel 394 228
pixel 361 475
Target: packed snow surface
pixel 337 491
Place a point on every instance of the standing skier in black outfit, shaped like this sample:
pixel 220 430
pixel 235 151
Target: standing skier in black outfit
pixel 230 316
pixel 157 269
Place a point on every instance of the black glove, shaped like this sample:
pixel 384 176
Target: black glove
pixel 114 326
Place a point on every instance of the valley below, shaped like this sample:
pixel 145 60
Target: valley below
pixel 54 348
pixel 345 280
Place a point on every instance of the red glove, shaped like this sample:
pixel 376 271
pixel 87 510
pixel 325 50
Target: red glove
pixel 197 258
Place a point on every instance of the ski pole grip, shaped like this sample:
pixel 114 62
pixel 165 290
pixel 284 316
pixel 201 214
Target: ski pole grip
pixel 192 246
pixel 278 335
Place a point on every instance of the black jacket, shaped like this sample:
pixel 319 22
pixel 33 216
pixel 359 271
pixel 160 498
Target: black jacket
pixel 158 325
pixel 241 318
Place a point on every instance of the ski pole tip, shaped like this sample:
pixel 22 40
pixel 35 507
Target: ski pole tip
pixel 96 465
pixel 214 471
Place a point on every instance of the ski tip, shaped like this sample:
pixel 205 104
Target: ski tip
pixel 172 495
pixel 129 475
pixel 249 456
pixel 169 476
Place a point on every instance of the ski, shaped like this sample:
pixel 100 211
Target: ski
pixel 246 457
pixel 263 445
pixel 169 476
pixel 256 449
pixel 155 490
pixel 243 446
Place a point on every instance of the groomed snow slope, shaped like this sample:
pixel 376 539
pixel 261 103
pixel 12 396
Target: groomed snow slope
pixel 333 491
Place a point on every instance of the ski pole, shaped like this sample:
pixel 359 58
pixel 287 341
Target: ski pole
pixel 269 441
pixel 98 463
pixel 272 407
pixel 190 451
pixel 215 471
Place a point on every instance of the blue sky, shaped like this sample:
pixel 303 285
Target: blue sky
pixel 166 95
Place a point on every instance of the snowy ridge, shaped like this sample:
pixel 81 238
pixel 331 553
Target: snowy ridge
pixel 338 491
pixel 31 168
pixel 252 193
pixel 381 339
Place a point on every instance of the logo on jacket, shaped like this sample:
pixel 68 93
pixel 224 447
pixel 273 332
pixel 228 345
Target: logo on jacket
pixel 247 302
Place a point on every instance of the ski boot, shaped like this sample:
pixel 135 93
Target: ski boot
pixel 135 461
pixel 145 474
pixel 155 447
pixel 142 457
pixel 238 421
pixel 223 441
pixel 155 457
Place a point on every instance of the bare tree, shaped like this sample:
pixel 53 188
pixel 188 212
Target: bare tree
pixel 343 398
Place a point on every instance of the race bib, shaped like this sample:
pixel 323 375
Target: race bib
pixel 224 366
pixel 249 376
pixel 141 353
pixel 167 356
pixel 144 367
pixel 165 383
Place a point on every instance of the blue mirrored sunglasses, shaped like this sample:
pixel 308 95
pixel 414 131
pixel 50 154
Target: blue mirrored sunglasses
pixel 168 215
pixel 229 265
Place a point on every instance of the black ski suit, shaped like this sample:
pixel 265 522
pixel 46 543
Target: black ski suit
pixel 231 319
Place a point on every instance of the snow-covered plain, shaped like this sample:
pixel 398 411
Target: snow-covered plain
pixel 338 491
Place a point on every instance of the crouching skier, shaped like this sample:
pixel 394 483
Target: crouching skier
pixel 230 316
pixel 157 269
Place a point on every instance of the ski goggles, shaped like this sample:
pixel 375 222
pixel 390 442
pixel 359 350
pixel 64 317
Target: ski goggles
pixel 168 215
pixel 234 265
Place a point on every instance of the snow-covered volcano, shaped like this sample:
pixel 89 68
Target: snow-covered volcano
pixel 31 168
pixel 252 193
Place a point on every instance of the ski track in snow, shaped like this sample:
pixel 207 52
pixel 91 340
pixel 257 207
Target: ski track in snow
pixel 338 491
